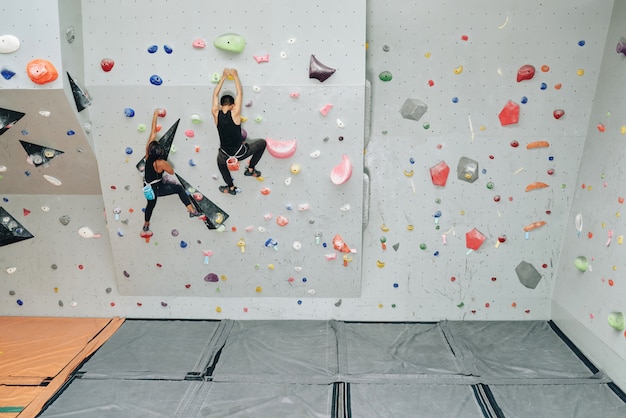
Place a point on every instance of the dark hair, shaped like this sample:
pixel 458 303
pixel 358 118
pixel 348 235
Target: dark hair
pixel 227 100
pixel 156 151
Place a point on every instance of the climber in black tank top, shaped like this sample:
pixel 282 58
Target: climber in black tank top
pixel 227 115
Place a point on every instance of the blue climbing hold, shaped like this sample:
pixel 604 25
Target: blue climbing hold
pixel 581 43
pixel 129 112
pixel 129 150
pixel 24 132
pixel 153 49
pixel 7 74
pixel 524 100
pixel 156 80
pixel 544 86
pixel 70 133
pixel 455 100
pixel 168 49
pixel 183 244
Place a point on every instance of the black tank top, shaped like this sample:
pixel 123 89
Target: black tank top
pixel 229 132
pixel 149 173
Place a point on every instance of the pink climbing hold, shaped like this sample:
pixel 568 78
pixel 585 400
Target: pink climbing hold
pixel 439 173
pixel 281 149
pixel 189 133
pixel 340 245
pixel 325 109
pixel 262 58
pixel 509 114
pixel 281 221
pixel 198 43
pixel 342 172
pixel 558 113
pixel 526 72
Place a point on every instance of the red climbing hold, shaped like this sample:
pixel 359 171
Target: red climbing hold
pixel 26 212
pixel 509 114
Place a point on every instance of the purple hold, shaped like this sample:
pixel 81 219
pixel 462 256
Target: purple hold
pixel 621 47
pixel 211 277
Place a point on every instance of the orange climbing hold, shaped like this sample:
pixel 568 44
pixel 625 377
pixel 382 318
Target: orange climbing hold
pixel 536 185
pixel 537 144
pixel 534 225
pixel 340 245
pixel 41 71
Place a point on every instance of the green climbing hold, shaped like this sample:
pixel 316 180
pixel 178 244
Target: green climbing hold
pixel 385 76
pixel 230 42
pixel 616 320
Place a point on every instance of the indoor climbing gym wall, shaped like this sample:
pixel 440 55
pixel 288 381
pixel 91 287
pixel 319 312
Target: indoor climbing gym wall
pixel 438 161
pixel 589 291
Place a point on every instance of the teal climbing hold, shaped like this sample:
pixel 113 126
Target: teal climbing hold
pixel 231 42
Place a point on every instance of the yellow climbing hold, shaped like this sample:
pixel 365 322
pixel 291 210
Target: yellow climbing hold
pixel 620 239
pixel 427 55
pixel 483 127
pixel 270 266
pixel 218 309
pixel 223 277
pixel 458 70
pixel 623 130
pixel 409 173
pixel 380 306
pixel 580 72
pixel 384 228
pixel 410 227
pixel 380 264
pixel 258 289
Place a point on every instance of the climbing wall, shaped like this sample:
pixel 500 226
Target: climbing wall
pixel 292 233
pixel 589 293
pixel 474 196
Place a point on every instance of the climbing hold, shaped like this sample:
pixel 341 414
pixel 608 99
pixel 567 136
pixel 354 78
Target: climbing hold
pixel 52 180
pixel 580 72
pixel 527 274
pixel 581 263
pixel 129 112
pixel 474 239
pixel 41 71
pixel 340 245
pixel 342 172
pixel 261 58
pixel 168 49
pixel 211 277
pixel 281 221
pixel 544 68
pixel 107 64
pixel 534 225
pixel 152 49
pixel 621 47
pixel 230 42
pixel 458 70
pixel 7 74
pixel 198 43
pixel 616 320
pixel 601 127
pixel 385 76
pixel 526 72
pixel 189 133
pixel 536 185
pixel 325 109
pixel 558 113
pixel 9 44
pixel 413 109
pixel 281 149
pixel 156 80
pixel 509 114
pixel 467 170
pixel 318 70
pixel 439 174
pixel 537 144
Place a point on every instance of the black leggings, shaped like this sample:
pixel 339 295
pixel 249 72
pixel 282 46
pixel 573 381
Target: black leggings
pixel 254 148
pixel 165 189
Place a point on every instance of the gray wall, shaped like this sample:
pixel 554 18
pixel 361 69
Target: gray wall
pixel 123 275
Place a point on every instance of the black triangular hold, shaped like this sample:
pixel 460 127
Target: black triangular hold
pixel 39 154
pixel 8 118
pixel 80 96
pixel 11 231
pixel 214 215
pixel 166 142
